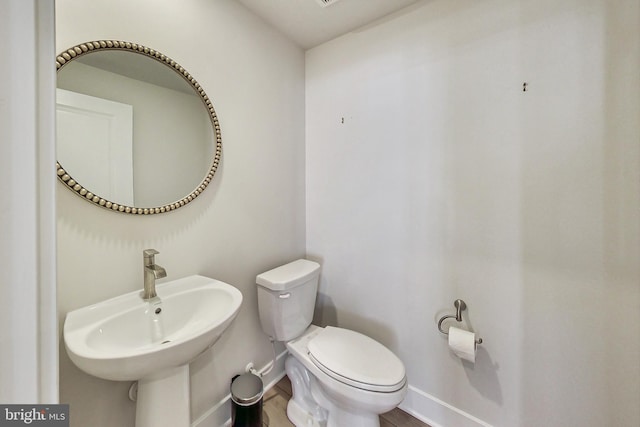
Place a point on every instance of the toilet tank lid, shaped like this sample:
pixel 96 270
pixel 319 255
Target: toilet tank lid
pixel 289 275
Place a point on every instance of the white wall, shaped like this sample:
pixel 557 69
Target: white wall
pixel 447 181
pixel 28 339
pixel 250 219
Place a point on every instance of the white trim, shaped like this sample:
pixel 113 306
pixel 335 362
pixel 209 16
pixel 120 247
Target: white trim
pixel 441 414
pixel 46 149
pixel 220 413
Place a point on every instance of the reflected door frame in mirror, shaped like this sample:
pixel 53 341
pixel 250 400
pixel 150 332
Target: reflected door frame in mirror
pixel 64 176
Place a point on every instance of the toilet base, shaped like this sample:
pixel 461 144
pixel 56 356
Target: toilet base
pixel 300 417
pixel 311 407
pixel 302 409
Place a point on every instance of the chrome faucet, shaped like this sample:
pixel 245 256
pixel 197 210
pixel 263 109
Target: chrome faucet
pixel 151 273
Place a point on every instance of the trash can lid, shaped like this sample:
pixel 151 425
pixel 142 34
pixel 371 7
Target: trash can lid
pixel 246 389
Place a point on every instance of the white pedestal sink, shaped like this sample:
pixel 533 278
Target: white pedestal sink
pixel 128 339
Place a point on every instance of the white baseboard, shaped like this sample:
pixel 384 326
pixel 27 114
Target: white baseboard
pixel 219 415
pixel 440 413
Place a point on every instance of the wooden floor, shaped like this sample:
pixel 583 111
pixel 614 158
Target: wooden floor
pixel 275 410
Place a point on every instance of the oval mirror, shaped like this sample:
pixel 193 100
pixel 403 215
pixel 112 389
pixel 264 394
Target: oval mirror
pixel 136 133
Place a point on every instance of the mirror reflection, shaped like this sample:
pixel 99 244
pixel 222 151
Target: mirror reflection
pixel 133 132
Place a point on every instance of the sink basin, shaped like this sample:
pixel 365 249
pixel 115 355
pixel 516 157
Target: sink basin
pixel 126 338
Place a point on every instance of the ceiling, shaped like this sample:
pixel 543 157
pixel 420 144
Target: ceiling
pixel 309 24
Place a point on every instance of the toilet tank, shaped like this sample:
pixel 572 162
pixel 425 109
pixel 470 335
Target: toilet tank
pixel 287 297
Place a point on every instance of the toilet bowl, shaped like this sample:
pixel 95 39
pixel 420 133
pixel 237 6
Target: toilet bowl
pixel 355 377
pixel 339 377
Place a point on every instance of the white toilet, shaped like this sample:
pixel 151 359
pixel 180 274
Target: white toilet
pixel 340 378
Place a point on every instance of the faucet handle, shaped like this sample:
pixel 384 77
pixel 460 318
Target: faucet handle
pixel 149 253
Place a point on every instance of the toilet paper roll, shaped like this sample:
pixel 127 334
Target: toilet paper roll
pixel 463 343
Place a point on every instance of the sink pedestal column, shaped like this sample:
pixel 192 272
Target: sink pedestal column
pixel 163 399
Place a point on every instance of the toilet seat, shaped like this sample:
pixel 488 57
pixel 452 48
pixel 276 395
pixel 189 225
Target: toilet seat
pixel 357 360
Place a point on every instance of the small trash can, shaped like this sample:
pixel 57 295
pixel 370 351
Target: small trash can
pixel 246 395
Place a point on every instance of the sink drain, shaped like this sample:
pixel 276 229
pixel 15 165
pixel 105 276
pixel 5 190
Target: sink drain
pixel 164 342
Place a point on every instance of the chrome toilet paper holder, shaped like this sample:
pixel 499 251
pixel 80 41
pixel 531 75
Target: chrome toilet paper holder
pixel 460 307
